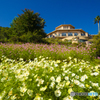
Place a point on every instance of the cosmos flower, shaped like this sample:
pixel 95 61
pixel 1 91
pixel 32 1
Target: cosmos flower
pixel 57 93
pixel 66 78
pixel 76 82
pixel 52 85
pixel 23 89
pixel 95 84
pixel 13 97
pixel 82 78
pixel 82 85
pixel 43 88
pixel 73 74
pixel 38 98
pixel 58 79
pixel 30 92
pixel 68 98
pixel 52 78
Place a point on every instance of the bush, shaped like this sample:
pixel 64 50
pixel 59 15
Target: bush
pixel 58 41
pixel 96 44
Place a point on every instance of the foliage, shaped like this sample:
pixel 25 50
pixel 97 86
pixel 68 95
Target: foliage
pixel 96 44
pixel 47 79
pixel 96 20
pixel 28 27
pixel 30 51
pixel 58 41
pixel 5 34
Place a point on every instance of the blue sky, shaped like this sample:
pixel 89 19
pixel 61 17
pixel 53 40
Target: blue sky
pixel 79 13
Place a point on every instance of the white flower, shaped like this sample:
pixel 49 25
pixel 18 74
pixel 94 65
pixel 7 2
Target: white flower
pixel 0 97
pixel 92 74
pixel 60 85
pixel 63 74
pixel 73 74
pixel 86 76
pixel 23 89
pixel 30 92
pixel 66 71
pixel 57 93
pixel 72 80
pixel 58 61
pixel 80 69
pixel 43 88
pixel 68 98
pixel 37 79
pixel 21 59
pixel 96 67
pixel 3 79
pixel 95 84
pixel 52 85
pixel 66 78
pixel 57 86
pixel 82 85
pixel 13 97
pixel 51 68
pixel 76 82
pixel 99 88
pixel 95 73
pixel 41 81
pixel 58 79
pixel 90 87
pixel 38 85
pixel 70 58
pixel 56 65
pixel 82 78
pixel 75 59
pixel 98 96
pixel 38 98
pixel 26 74
pixel 77 77
pixel 52 78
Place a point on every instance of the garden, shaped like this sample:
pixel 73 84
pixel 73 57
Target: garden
pixel 47 72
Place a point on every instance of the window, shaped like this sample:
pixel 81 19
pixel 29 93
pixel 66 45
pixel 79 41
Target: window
pixel 55 34
pixel 50 35
pixel 70 34
pixel 59 34
pixel 75 34
pixel 63 34
pixel 82 34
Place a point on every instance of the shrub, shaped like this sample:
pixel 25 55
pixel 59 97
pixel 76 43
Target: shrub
pixel 96 44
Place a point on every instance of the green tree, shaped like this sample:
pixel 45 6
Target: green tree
pixel 28 27
pixel 5 34
pixel 96 44
pixel 96 20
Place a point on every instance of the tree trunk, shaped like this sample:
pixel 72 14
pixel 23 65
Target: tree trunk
pixel 98 26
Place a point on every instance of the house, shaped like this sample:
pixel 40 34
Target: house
pixel 70 33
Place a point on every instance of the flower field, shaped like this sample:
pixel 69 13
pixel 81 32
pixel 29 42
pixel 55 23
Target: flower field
pixel 47 79
pixel 31 51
